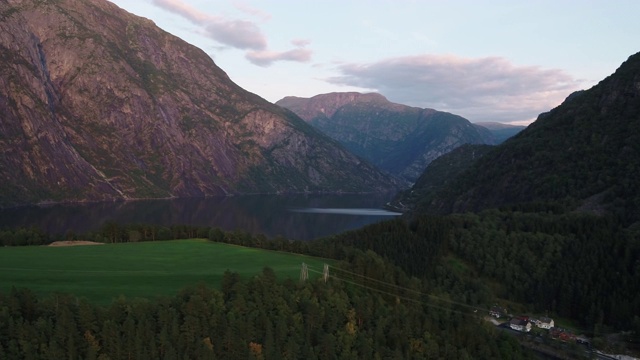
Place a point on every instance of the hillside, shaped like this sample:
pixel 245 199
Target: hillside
pixel 584 155
pixel 439 174
pixel 399 139
pixel 99 104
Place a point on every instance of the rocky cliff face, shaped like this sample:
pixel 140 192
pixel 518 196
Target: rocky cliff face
pixel 99 104
pixel 398 138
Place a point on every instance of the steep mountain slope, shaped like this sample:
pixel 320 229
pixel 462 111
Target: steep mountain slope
pixel 584 154
pixel 400 139
pixel 99 104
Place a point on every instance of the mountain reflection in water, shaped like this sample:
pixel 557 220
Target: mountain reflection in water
pixel 343 211
pixel 301 217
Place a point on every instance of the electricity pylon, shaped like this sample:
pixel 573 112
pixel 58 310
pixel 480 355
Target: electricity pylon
pixel 304 273
pixel 325 273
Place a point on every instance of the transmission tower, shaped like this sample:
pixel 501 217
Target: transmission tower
pixel 304 273
pixel 325 273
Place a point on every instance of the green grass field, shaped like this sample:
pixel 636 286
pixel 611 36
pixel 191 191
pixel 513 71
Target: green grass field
pixel 147 269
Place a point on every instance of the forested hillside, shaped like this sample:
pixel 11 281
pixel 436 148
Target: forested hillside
pixel 577 266
pixel 582 267
pixel 551 217
pixel 584 154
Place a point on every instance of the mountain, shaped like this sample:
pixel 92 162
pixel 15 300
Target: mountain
pixel 399 139
pixel 438 175
pixel 501 131
pixel 583 155
pixel 99 104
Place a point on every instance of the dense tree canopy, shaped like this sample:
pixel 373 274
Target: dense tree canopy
pixel 257 318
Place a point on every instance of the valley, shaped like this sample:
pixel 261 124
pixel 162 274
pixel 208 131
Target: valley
pixel 232 227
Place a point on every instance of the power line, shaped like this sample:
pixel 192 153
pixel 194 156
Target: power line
pixel 396 295
pixel 410 290
pixel 574 329
pixel 376 280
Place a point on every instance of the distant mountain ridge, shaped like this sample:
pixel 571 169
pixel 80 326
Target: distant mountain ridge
pixel 584 155
pixel 99 104
pixel 398 138
pixel 500 131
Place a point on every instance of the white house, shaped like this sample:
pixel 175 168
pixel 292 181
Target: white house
pixel 545 323
pixel 520 325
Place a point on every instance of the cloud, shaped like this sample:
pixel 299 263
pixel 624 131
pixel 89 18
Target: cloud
pixel 182 9
pixel 266 58
pixel 238 34
pixel 480 89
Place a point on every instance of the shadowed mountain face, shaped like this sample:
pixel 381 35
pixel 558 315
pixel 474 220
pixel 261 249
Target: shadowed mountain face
pixel 584 154
pixel 438 175
pixel 400 139
pixel 98 104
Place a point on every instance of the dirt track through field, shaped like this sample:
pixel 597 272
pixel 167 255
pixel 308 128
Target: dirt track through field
pixel 74 243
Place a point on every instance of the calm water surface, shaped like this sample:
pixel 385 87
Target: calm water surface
pixel 301 217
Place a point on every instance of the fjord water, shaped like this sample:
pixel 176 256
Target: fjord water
pixel 298 217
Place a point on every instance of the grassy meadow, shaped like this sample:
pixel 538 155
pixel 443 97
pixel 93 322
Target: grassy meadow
pixel 101 273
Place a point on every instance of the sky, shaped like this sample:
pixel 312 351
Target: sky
pixel 488 61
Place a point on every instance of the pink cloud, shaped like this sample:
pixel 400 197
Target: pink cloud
pixel 480 89
pixel 239 34
pixel 236 33
pixel 182 9
pixel 266 58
